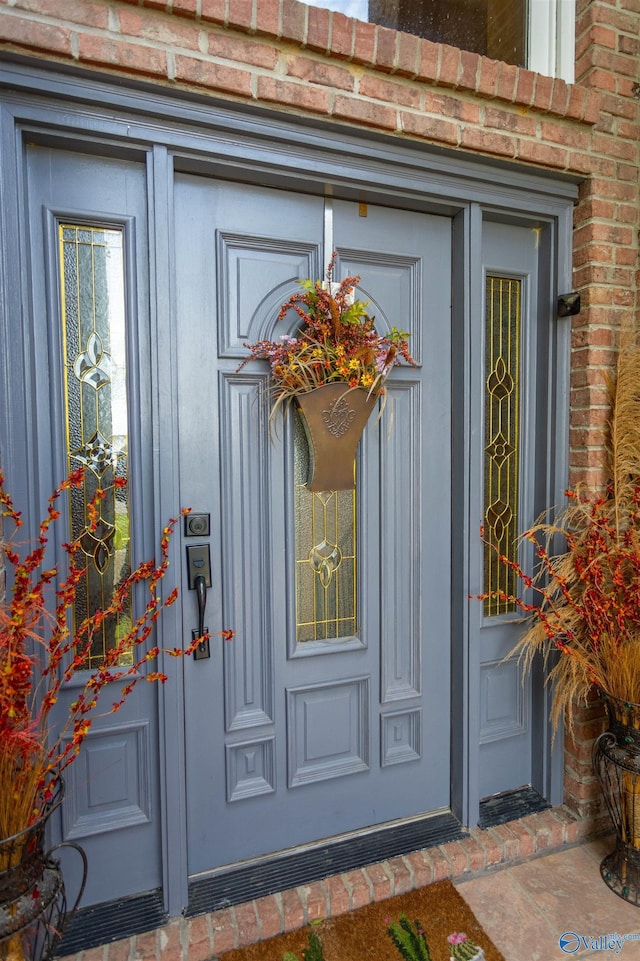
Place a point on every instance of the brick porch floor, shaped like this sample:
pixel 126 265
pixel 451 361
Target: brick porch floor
pixel 526 908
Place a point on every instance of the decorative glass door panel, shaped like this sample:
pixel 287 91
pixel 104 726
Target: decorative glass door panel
pixel 325 552
pixel 502 436
pixel 317 719
pixel 91 285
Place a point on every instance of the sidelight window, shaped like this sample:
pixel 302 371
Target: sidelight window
pixel 93 336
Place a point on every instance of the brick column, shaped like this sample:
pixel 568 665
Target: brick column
pixel 606 271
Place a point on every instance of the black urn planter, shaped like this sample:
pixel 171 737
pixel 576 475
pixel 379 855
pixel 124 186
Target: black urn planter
pixel 33 903
pixel 616 762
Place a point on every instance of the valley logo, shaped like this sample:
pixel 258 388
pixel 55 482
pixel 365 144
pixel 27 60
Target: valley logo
pixel 571 943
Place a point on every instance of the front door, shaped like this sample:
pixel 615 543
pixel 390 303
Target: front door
pixel 329 711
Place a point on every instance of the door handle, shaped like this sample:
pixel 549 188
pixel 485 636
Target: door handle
pixel 199 575
pixel 201 594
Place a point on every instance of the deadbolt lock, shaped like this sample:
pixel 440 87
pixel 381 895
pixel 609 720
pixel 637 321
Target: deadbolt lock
pixel 197 525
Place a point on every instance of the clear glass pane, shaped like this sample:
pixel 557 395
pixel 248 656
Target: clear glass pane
pixel 502 443
pixel 325 551
pixel 93 321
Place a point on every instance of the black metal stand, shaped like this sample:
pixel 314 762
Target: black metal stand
pixel 33 903
pixel 616 762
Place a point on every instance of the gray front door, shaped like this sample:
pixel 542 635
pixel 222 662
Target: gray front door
pixel 330 710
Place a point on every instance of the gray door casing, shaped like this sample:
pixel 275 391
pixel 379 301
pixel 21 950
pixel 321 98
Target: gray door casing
pixel 183 138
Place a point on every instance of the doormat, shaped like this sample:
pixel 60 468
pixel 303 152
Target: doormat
pixel 362 935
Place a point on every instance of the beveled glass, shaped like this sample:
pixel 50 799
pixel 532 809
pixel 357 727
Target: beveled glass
pixel 325 554
pixel 502 440
pixel 92 281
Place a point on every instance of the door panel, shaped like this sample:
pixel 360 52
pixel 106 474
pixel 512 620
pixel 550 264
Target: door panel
pixel 89 275
pixel 513 452
pixel 291 740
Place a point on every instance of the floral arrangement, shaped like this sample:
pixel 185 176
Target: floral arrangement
pixel 584 601
pixel 463 948
pixel 338 342
pixel 39 654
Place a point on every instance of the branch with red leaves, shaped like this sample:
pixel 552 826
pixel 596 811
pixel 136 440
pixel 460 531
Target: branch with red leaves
pixel 39 654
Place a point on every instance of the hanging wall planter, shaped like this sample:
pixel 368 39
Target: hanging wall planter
pixel 335 369
pixel 334 417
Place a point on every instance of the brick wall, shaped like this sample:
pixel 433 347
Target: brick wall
pixel 606 220
pixel 606 271
pixel 318 63
pixel 309 61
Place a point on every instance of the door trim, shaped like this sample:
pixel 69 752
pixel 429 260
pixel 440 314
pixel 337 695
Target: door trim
pixel 72 111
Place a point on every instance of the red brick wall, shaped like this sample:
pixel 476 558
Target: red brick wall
pixel 288 56
pixel 606 221
pixel 321 63
pixel 606 271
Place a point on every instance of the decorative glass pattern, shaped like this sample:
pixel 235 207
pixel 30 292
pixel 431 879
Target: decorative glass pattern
pixel 502 454
pixel 93 335
pixel 325 552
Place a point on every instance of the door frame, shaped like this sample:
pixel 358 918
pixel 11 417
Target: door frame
pixel 44 104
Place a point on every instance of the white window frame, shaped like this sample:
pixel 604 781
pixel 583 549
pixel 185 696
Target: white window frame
pixel 552 38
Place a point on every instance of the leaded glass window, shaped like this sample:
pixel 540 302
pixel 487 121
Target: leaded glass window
pixel 325 554
pixel 502 442
pixel 93 337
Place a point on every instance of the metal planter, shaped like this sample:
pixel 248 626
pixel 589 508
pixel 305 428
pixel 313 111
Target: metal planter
pixel 334 417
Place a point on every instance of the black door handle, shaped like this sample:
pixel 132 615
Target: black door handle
pixel 200 585
pixel 199 571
